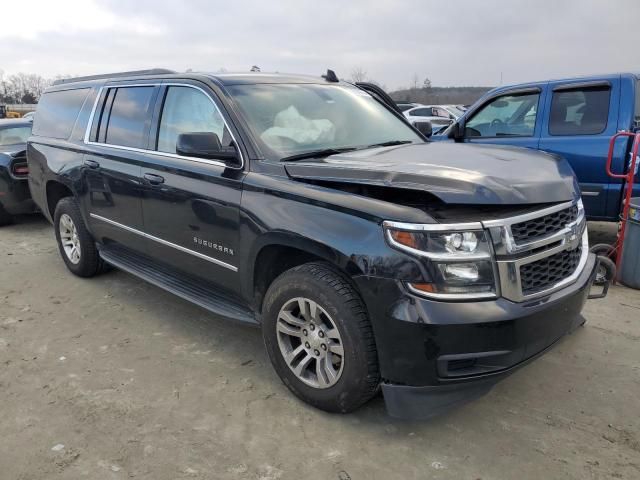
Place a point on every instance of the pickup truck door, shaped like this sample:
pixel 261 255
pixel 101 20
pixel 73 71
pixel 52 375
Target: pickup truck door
pixel 191 206
pixel 581 118
pixel 511 117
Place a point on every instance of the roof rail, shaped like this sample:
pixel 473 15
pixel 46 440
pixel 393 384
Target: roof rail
pixel 152 71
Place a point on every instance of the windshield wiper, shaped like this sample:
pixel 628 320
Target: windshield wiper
pixel 325 152
pixel 390 143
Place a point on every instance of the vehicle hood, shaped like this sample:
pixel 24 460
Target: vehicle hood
pixel 455 173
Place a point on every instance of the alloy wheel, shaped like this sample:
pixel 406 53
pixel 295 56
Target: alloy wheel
pixel 310 343
pixel 69 239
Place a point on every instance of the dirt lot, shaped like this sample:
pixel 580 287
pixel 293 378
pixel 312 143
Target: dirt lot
pixel 114 378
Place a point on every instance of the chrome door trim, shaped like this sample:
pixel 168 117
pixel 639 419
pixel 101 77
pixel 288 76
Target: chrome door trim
pixel 165 242
pixel 87 131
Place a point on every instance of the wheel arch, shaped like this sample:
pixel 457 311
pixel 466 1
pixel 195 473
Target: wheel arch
pixel 55 191
pixel 276 252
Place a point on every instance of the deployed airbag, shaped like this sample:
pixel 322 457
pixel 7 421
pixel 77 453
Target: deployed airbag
pixel 290 124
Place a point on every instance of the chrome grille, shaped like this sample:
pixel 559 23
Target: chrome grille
pixel 543 274
pixel 540 252
pixel 540 227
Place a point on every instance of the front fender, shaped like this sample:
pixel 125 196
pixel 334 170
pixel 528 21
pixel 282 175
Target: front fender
pixel 334 232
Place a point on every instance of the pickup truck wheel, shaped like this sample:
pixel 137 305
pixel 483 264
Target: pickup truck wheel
pixel 319 338
pixel 606 270
pixel 5 218
pixel 76 245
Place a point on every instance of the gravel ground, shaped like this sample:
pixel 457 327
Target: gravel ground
pixel 112 378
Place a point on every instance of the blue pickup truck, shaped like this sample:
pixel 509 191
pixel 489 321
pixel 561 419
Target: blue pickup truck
pixel 574 118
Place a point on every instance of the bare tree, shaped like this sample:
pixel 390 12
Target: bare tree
pixel 22 87
pixel 426 84
pixel 358 74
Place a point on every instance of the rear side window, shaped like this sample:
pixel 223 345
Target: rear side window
pixel 129 116
pixel 57 112
pixel 580 111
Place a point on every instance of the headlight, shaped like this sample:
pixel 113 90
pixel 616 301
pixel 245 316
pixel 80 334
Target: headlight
pixel 459 260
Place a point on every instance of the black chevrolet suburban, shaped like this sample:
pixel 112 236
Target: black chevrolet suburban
pixel 370 258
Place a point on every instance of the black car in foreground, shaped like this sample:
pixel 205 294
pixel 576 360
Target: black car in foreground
pixel 370 257
pixel 15 198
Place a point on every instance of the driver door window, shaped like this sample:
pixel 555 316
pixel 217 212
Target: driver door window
pixel 506 116
pixel 187 110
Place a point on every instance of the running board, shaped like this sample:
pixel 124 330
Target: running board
pixel 181 285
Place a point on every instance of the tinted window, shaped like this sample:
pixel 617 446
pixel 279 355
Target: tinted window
pixel 128 120
pixel 422 112
pixel 579 112
pixel 57 112
pixel 14 135
pixel 509 115
pixel 187 110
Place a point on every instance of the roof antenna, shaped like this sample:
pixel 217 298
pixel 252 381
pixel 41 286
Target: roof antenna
pixel 330 76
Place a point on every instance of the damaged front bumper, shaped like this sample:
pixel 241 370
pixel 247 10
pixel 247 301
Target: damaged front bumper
pixel 436 356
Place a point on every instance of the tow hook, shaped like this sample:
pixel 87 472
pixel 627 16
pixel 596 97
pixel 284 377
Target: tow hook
pixel 601 279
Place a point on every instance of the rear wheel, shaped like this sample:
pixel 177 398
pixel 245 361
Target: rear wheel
pixel 319 338
pixel 77 247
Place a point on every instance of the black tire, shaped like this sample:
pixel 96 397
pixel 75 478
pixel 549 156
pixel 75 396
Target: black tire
pixel 5 218
pixel 90 263
pixel 605 250
pixel 360 377
pixel 606 270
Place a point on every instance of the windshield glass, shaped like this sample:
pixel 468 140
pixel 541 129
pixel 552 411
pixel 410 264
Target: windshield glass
pixel 14 135
pixel 293 119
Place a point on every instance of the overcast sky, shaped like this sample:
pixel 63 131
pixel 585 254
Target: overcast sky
pixel 451 42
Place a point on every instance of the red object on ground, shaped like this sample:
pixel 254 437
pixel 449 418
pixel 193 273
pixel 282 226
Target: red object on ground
pixel 628 186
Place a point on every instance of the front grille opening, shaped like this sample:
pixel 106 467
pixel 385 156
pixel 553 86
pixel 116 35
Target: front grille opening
pixel 541 227
pixel 545 273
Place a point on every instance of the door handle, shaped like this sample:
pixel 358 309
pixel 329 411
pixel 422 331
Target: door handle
pixel 153 179
pixel 91 164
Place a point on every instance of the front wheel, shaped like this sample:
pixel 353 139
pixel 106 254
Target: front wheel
pixel 606 271
pixel 319 338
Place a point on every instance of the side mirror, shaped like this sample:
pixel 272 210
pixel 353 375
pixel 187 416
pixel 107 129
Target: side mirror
pixel 424 128
pixel 457 131
pixel 205 145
